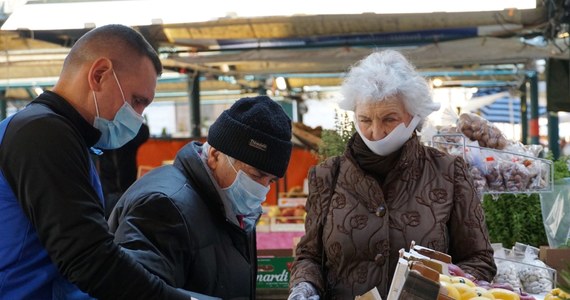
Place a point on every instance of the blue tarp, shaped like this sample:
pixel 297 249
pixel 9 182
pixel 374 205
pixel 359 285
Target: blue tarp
pixel 505 109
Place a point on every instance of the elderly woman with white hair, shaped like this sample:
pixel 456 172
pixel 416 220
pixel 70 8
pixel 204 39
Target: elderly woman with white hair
pixel 386 191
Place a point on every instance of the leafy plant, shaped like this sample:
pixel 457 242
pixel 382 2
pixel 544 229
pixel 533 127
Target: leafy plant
pixel 514 218
pixel 333 141
pixel 561 167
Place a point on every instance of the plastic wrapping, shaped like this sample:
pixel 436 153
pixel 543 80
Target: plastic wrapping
pixel 506 269
pixel 515 174
pixel 507 274
pixel 497 165
pixel 516 169
pixel 555 213
pixel 534 274
pixel 493 174
pixel 481 130
pixel 479 179
pixel 521 268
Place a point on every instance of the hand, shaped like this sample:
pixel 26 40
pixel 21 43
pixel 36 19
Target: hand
pixel 303 291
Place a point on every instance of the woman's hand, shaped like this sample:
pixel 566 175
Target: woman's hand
pixel 303 291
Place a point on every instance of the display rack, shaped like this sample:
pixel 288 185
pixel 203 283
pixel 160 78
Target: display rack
pixel 498 171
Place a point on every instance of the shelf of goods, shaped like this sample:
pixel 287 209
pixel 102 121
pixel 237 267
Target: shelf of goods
pixel 496 164
pixel 514 169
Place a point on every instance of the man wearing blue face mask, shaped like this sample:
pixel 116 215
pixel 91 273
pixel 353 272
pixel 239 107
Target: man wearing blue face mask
pixel 193 222
pixel 54 239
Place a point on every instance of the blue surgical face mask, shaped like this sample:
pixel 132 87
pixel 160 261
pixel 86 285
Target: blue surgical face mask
pixel 123 128
pixel 245 193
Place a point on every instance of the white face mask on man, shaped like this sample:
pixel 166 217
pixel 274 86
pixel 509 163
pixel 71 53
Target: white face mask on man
pixel 394 140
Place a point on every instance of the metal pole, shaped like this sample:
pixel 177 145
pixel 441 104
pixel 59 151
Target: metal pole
pixel 553 134
pixel 3 105
pixel 534 128
pixel 262 88
pixel 195 123
pixel 524 113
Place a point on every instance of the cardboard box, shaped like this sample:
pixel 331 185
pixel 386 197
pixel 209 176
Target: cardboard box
pixel 273 272
pixel 557 259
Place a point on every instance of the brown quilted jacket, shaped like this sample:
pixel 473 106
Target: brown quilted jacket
pixel 428 198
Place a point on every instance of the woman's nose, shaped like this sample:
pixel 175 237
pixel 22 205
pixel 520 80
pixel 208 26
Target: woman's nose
pixel 378 133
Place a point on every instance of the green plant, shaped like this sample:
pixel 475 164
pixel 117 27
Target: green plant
pixel 514 218
pixel 333 141
pixel 561 168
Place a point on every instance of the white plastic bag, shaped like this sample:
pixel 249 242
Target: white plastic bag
pixel 555 211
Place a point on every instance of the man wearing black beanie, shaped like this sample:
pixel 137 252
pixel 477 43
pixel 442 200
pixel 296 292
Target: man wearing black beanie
pixel 193 223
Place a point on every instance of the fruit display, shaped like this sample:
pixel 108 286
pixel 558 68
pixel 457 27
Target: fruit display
pixel 451 282
pixel 277 218
pixel 462 288
pixel 557 294
pixel 294 215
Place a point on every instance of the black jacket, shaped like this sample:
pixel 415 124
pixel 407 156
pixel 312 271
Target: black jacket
pixel 172 220
pixel 45 160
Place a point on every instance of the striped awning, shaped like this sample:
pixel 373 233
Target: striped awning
pixel 506 109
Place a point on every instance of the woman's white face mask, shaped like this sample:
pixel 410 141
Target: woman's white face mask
pixel 394 140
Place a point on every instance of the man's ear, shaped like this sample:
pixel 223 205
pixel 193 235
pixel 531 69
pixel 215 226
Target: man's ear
pixel 213 158
pixel 99 67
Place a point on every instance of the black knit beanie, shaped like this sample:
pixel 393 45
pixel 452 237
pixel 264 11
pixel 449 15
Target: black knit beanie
pixel 256 131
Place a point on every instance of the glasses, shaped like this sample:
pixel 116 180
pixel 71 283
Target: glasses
pixel 253 173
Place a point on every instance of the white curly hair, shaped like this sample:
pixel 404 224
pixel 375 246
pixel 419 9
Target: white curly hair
pixel 383 75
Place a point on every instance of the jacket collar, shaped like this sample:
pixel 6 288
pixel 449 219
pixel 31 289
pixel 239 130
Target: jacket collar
pixel 61 107
pixel 189 162
pixel 411 153
pixel 411 157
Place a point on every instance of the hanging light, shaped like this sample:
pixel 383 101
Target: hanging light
pixel 437 82
pixel 281 83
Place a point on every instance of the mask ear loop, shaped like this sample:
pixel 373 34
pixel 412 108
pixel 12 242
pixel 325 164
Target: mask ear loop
pixel 229 162
pixel 95 100
pixel 120 87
